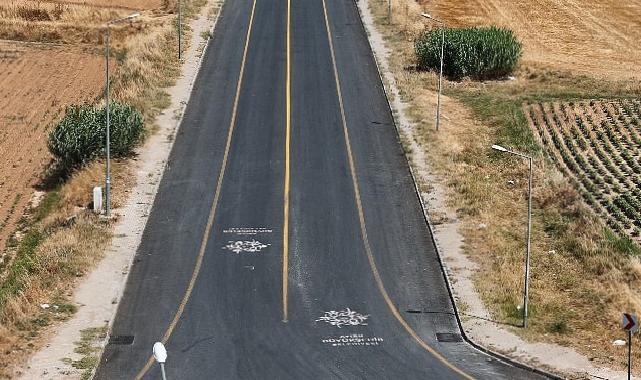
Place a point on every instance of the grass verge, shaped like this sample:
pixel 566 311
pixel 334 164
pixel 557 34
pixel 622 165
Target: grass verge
pixel 582 275
pixel 59 240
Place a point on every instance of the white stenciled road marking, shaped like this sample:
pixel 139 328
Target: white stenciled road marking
pixel 247 230
pixel 342 318
pixel 251 246
pixel 352 340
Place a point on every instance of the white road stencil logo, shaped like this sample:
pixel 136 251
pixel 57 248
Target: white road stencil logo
pixel 251 246
pixel 342 318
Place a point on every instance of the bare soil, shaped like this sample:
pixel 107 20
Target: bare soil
pixel 591 37
pixel 35 87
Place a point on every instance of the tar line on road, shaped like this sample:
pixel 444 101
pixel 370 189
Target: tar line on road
pixel 214 205
pixel 361 216
pixel 288 110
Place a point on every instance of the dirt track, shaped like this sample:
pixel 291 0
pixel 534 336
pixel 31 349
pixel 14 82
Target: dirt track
pixel 598 37
pixel 36 84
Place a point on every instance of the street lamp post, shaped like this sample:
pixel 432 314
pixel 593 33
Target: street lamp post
pixel 440 77
pixel 180 29
pixel 529 229
pixel 160 354
pixel 108 147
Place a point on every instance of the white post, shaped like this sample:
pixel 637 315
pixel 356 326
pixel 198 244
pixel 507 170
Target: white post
pixel 629 354
pixel 97 199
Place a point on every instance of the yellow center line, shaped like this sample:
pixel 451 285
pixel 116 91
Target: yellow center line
pixel 288 108
pixel 361 218
pixel 212 211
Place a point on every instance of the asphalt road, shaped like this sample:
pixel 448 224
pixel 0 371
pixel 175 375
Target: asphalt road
pixel 286 240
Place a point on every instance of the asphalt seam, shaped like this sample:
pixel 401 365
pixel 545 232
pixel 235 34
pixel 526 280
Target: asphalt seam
pixel 361 216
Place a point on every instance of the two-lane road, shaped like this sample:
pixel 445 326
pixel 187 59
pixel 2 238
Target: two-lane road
pixel 287 240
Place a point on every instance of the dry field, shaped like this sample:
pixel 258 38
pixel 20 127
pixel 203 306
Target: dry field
pixel 125 4
pixel 592 37
pixel 35 86
pixel 72 21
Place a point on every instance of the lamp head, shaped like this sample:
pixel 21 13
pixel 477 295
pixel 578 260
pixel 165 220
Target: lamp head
pixel 428 16
pixel 499 148
pixel 160 353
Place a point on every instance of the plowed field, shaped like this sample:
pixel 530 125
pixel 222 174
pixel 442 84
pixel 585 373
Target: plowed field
pixel 36 83
pixel 137 4
pixel 592 37
pixel 125 4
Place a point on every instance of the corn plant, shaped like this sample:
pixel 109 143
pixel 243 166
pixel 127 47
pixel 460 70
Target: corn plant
pixel 479 53
pixel 81 135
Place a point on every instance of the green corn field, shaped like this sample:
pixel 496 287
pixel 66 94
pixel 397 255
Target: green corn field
pixel 479 53
pixel 81 135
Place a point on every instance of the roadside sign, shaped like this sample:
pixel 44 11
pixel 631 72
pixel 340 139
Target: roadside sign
pixel 630 322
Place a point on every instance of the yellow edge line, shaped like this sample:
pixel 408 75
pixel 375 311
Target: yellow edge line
pixel 212 212
pixel 287 158
pixel 361 217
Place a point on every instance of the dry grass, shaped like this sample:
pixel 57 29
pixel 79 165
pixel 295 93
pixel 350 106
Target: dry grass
pixel 583 276
pixel 52 22
pixel 59 242
pixel 72 23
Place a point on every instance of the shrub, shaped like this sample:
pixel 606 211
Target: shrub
pixel 480 53
pixel 81 135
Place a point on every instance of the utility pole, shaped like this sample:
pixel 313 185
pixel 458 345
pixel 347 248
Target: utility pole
pixel 107 108
pixel 108 147
pixel 526 286
pixel 440 75
pixel 180 29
